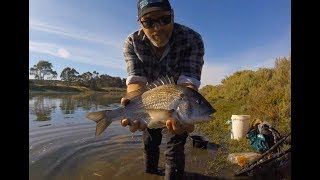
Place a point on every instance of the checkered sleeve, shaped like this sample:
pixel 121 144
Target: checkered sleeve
pixel 192 62
pixel 134 65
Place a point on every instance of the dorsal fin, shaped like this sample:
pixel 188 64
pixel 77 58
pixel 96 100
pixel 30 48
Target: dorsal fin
pixel 159 82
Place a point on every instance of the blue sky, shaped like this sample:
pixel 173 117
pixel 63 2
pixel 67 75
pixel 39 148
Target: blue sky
pixel 89 35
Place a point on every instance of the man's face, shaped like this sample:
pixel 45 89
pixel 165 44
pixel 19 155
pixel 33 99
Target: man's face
pixel 158 26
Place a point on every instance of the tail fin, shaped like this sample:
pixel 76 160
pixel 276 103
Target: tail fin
pixel 101 120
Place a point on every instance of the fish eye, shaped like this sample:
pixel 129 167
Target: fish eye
pixel 199 101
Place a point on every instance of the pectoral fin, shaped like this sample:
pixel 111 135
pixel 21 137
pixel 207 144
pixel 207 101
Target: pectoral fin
pixel 158 117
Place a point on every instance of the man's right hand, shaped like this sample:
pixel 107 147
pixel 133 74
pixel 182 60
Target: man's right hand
pixel 134 125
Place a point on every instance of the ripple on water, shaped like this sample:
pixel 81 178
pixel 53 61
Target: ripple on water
pixel 73 152
pixel 67 150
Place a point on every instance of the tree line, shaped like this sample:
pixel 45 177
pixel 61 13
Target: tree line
pixel 43 71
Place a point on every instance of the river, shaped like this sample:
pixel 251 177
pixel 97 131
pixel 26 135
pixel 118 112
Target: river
pixel 62 142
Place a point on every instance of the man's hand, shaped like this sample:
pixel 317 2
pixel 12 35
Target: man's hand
pixel 134 125
pixel 175 127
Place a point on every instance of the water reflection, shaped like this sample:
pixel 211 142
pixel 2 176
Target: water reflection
pixel 67 105
pixel 42 108
pixel 64 146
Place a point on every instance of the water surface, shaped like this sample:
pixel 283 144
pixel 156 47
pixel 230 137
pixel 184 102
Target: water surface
pixel 62 144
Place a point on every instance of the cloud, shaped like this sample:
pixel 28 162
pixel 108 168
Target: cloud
pixel 79 55
pixel 214 70
pixel 254 58
pixel 64 31
pixel 103 51
pixel 45 48
pixel 212 74
pixel 63 53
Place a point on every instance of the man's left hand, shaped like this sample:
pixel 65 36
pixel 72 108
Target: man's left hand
pixel 175 127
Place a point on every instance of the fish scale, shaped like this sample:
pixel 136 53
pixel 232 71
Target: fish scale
pixel 155 103
pixel 162 97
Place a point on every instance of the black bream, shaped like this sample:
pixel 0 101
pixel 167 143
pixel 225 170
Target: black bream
pixel 155 103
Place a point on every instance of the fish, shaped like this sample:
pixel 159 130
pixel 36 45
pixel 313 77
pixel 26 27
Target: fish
pixel 155 103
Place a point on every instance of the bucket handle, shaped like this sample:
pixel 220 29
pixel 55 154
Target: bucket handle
pixel 230 133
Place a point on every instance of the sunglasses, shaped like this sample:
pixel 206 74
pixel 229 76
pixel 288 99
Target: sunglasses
pixel 162 21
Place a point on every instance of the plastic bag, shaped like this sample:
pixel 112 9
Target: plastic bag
pixel 242 158
pixel 257 141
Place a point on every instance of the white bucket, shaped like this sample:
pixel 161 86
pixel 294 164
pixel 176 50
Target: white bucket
pixel 240 126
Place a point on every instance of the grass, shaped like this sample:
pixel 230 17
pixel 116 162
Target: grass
pixel 220 164
pixel 218 133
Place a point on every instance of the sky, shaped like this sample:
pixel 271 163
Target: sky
pixel 88 35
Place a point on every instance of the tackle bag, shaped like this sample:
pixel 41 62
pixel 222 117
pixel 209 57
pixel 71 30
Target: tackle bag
pixel 263 137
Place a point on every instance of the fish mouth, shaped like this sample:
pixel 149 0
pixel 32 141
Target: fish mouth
pixel 208 115
pixel 207 118
pixel 210 112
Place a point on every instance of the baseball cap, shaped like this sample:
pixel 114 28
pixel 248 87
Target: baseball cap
pixel 146 6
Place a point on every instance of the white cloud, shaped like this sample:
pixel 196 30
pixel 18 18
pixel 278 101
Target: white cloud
pixel 212 74
pixel 109 55
pixel 80 55
pixel 63 53
pixel 214 70
pixel 252 59
pixel 64 31
pixel 45 48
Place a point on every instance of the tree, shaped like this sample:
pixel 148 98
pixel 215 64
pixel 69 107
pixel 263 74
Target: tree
pixel 69 75
pixel 54 75
pixel 42 69
pixel 85 78
pixel 95 74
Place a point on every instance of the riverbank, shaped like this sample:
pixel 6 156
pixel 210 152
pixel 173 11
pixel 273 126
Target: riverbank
pixel 59 88
pixel 219 166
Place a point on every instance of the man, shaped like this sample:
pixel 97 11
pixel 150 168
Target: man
pixel 162 48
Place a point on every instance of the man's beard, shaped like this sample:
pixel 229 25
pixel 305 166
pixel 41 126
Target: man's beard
pixel 156 44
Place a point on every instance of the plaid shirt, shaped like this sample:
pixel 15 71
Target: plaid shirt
pixel 182 59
